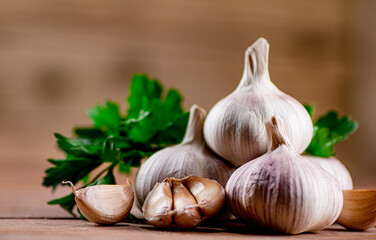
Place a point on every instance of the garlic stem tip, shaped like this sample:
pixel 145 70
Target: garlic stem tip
pixel 67 182
pixel 71 185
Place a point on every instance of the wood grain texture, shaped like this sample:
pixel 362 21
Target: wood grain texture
pixel 78 229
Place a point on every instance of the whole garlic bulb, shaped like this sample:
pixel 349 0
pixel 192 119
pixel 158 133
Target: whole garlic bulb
pixel 335 168
pixel 104 204
pixel 190 157
pixel 234 128
pixel 283 191
pixel 183 203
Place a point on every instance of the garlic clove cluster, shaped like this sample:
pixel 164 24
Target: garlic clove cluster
pixel 190 157
pixel 283 191
pixel 104 204
pixel 234 127
pixel 359 209
pixel 183 203
pixel 335 168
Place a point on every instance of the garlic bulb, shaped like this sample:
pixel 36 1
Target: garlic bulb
pixel 335 168
pixel 282 191
pixel 183 203
pixel 104 204
pixel 234 128
pixel 190 157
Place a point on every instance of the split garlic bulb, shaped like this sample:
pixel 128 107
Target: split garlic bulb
pixel 190 157
pixel 283 191
pixel 183 203
pixel 234 128
pixel 335 168
pixel 104 204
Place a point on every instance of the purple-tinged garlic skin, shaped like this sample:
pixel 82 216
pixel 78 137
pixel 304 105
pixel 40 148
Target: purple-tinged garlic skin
pixel 282 191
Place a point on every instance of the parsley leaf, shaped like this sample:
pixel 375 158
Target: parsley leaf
pixel 160 114
pixel 329 130
pixel 143 92
pixel 72 169
pixel 106 117
pixel 152 122
pixel 342 126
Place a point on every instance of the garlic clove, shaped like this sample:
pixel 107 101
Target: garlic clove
pixel 187 214
pixel 335 168
pixel 209 195
pixel 359 209
pixel 158 205
pixel 104 204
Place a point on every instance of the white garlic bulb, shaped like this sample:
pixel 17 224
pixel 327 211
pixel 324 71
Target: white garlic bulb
pixel 282 191
pixel 335 168
pixel 183 203
pixel 190 157
pixel 104 204
pixel 234 128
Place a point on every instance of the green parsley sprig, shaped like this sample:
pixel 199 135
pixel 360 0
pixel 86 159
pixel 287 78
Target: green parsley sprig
pixel 328 130
pixel 153 121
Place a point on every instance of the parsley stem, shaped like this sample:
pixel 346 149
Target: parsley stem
pixel 109 168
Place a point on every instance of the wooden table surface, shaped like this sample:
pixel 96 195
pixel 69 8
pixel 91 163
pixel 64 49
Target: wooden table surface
pixel 40 229
pixel 24 214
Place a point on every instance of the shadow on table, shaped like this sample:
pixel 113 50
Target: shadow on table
pixel 230 226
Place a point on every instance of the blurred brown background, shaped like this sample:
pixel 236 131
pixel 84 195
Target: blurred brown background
pixel 58 58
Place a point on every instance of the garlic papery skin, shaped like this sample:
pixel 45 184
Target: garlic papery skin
pixel 187 213
pixel 183 203
pixel 104 204
pixel 359 209
pixel 158 206
pixel 335 168
pixel 282 191
pixel 234 127
pixel 190 157
pixel 209 194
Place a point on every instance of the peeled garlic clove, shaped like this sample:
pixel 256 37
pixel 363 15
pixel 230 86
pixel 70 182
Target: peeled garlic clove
pixel 104 204
pixel 190 157
pixel 158 205
pixel 282 191
pixel 209 195
pixel 335 168
pixel 359 209
pixel 234 127
pixel 187 214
